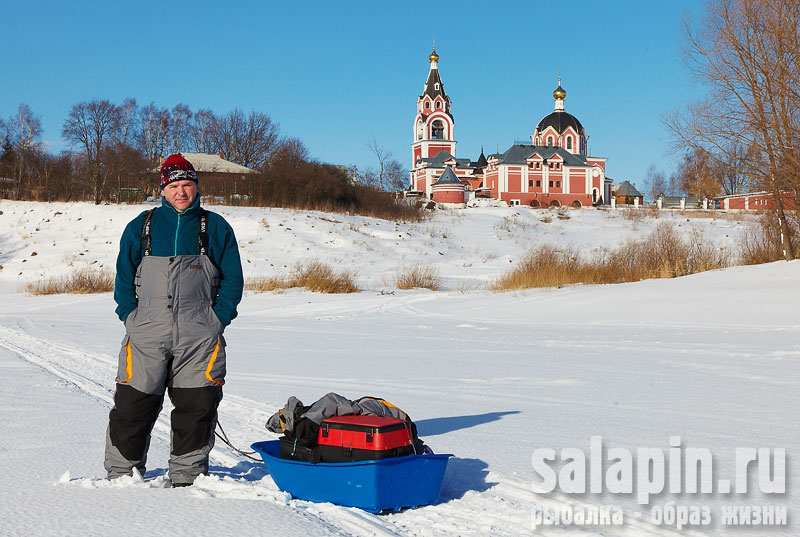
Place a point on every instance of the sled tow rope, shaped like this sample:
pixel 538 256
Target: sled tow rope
pixel 224 438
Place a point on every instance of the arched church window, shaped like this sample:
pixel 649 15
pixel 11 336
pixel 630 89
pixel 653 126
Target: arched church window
pixel 569 142
pixel 427 105
pixel 438 105
pixel 437 130
pixel 549 140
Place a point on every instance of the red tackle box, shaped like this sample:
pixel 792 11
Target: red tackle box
pixel 364 438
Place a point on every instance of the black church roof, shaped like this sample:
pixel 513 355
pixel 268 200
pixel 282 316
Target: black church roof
pixel 431 85
pixel 560 120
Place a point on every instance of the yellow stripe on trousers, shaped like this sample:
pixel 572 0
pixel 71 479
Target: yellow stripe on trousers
pixel 211 365
pixel 128 364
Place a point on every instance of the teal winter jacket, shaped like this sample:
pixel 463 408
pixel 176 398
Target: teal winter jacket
pixel 173 233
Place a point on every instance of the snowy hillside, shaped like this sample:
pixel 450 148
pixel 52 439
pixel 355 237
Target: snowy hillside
pixel 713 358
pixel 468 247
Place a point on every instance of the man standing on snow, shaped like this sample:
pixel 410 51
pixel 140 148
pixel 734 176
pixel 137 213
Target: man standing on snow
pixel 179 280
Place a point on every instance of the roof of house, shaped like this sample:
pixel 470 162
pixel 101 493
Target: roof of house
pixel 625 188
pixel 438 160
pixel 213 163
pixel 520 153
pixel 448 177
pixel 759 193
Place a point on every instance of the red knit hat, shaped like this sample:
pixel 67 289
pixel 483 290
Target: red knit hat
pixel 176 168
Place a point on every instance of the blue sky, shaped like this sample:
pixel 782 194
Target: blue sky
pixel 339 74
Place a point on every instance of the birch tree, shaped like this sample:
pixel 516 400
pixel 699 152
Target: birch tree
pixel 746 53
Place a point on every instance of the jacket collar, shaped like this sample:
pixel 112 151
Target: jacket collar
pixel 192 210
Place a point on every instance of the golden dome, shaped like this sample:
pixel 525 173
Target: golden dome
pixel 559 92
pixel 434 57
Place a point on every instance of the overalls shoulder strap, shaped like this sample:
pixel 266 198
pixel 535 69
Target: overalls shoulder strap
pixel 202 236
pixel 147 247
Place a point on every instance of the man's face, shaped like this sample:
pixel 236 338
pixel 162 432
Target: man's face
pixel 180 194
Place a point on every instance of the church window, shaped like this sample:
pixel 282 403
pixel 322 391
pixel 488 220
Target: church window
pixel 569 142
pixel 539 183
pixel 436 86
pixel 551 184
pixel 438 105
pixel 558 184
pixel 549 140
pixel 427 105
pixel 530 182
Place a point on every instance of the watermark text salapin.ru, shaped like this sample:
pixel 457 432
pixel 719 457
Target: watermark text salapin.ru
pixel 681 470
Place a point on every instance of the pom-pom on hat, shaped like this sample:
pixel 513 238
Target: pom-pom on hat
pixel 176 168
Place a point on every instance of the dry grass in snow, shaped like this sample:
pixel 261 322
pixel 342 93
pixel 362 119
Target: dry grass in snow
pixel 312 275
pixel 81 281
pixel 663 254
pixel 418 276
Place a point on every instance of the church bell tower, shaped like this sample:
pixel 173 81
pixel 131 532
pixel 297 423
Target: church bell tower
pixel 433 124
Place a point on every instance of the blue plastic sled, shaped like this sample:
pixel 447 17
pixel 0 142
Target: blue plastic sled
pixel 375 486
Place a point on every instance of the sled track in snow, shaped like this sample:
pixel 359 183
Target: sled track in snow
pixel 502 509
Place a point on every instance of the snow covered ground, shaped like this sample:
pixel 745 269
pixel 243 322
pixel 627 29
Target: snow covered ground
pixel 713 358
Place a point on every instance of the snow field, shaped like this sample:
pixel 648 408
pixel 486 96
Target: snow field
pixel 712 358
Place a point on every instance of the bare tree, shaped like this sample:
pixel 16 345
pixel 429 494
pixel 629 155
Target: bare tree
pixel 90 125
pixel 382 155
pixel 672 186
pixel 698 174
pixel 747 54
pixel 390 174
pixel 153 131
pixel 395 175
pixel 180 131
pixel 658 184
pixel 731 165
pixel 707 174
pixel 291 151
pixel 203 127
pixel 46 168
pixel 21 132
pixel 247 139
pixel 366 176
pixel 126 128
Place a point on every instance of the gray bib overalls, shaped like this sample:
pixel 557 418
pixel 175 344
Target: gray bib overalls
pixel 173 342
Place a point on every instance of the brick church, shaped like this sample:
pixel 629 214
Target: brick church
pixel 553 170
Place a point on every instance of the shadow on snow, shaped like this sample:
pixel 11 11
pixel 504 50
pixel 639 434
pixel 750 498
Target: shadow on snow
pixel 437 426
pixel 463 475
